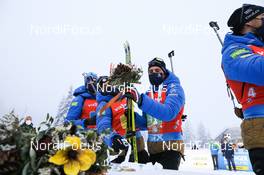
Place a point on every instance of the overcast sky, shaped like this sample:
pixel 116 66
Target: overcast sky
pixel 45 45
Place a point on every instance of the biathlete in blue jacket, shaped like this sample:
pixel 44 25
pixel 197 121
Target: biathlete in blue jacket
pixel 112 122
pixel 82 110
pixel 243 65
pixel 162 108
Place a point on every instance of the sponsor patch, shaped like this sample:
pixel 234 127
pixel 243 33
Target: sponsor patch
pixel 74 103
pixel 239 52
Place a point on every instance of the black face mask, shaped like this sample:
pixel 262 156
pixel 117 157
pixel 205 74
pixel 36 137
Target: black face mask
pixel 91 88
pixel 155 79
pixel 260 30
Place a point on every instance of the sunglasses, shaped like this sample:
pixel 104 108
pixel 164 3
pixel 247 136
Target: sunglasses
pixel 159 59
pixel 155 60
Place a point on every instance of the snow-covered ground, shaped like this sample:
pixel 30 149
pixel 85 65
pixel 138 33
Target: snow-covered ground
pixel 133 169
pixel 140 169
pixel 181 172
pixel 197 163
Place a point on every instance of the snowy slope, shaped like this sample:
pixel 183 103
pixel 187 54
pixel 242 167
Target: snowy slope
pixel 187 167
pixel 181 172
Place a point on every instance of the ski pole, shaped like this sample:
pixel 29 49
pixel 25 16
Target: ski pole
pixel 170 55
pixel 237 110
pixel 215 26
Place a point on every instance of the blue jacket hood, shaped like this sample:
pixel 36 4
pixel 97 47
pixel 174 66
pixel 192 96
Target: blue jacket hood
pixel 247 39
pixel 82 91
pixel 171 78
pixel 100 97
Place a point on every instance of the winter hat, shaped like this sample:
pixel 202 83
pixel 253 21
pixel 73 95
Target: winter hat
pixel 243 15
pixel 158 62
pixel 88 77
pixel 28 118
pixel 101 80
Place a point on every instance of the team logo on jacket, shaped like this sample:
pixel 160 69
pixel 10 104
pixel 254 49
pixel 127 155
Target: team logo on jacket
pixel 251 94
pixel 92 105
pixel 154 124
pixel 261 52
pixel 122 106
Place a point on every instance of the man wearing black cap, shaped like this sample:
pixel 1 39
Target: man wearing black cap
pixel 243 65
pixel 162 108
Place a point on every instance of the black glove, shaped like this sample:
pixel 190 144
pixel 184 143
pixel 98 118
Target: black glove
pixel 133 94
pixel 119 143
pixel 119 159
pixel 90 121
pixel 239 113
pixel 184 117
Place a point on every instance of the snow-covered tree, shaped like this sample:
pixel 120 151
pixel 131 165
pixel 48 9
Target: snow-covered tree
pixel 188 133
pixel 202 134
pixel 64 107
pixel 208 135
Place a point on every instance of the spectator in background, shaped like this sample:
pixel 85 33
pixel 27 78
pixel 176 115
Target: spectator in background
pixel 27 126
pixel 228 153
pixel 214 148
pixel 194 147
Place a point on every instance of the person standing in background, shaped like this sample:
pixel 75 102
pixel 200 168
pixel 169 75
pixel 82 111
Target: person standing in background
pixel 214 148
pixel 228 153
pixel 27 126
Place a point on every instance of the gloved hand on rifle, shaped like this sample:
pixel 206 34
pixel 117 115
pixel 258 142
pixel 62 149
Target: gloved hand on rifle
pixel 132 93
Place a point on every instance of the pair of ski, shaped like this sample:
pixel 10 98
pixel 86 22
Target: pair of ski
pixel 131 124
